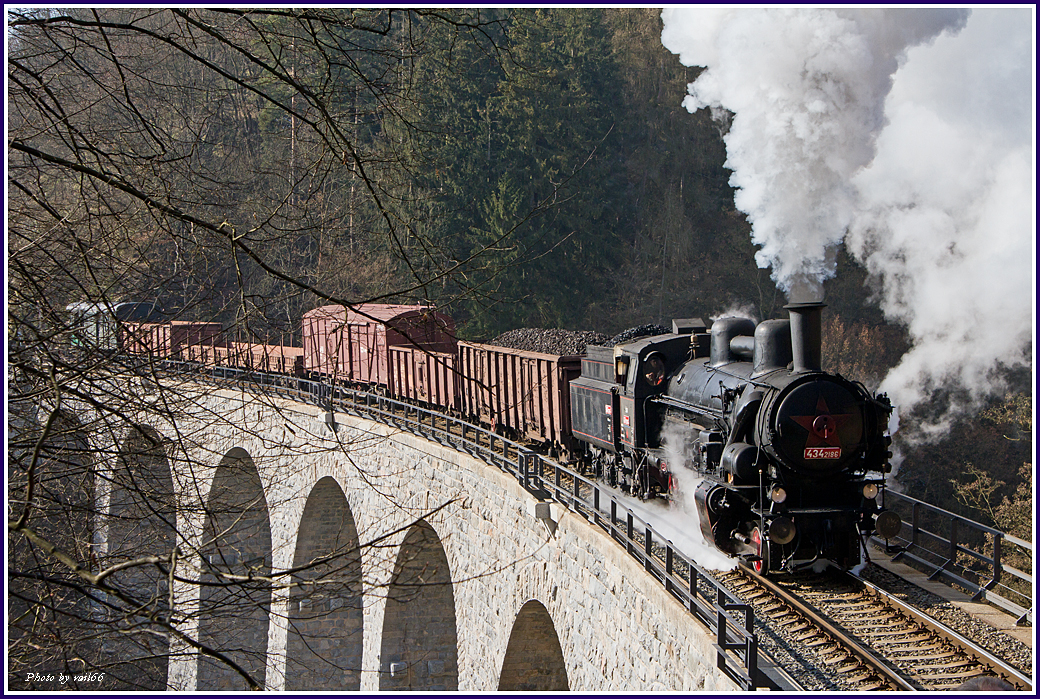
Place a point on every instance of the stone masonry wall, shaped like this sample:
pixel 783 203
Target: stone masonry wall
pixel 616 628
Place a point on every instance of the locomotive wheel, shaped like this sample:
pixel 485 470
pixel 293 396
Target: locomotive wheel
pixel 761 545
pixel 612 475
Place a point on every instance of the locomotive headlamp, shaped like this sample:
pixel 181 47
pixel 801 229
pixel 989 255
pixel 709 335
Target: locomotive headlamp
pixel 870 491
pixel 777 494
pixel 781 531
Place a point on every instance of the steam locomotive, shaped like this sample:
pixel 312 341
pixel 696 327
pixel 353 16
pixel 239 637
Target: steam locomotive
pixel 790 459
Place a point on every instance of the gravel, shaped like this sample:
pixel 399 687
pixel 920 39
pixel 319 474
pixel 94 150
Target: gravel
pixel 804 665
pixel 559 342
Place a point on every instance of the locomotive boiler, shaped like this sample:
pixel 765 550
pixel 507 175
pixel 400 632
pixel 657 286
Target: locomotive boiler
pixel 791 459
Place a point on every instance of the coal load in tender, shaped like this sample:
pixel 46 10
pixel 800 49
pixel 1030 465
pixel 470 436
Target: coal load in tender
pixel 633 333
pixel 558 342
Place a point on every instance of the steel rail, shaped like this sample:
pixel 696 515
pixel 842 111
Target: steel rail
pixel 1011 674
pixel 863 653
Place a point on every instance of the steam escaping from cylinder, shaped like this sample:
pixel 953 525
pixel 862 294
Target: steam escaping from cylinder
pixel 687 534
pixel 907 134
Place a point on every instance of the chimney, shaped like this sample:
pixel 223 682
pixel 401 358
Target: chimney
pixel 806 336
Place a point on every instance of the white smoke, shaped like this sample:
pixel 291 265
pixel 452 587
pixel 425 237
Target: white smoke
pixel 682 515
pixel 948 205
pixel 737 311
pixel 909 130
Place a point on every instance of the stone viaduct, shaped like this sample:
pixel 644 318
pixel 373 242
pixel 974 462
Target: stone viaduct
pixel 367 558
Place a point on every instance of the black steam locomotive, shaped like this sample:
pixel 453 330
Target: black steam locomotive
pixel 791 458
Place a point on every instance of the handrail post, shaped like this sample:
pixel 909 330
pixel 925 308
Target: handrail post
pixel 648 548
pixel 668 568
pixel 694 575
pixel 720 617
pixel 996 559
pixel 917 524
pixel 996 570
pixel 951 561
pixel 613 517
pixel 751 654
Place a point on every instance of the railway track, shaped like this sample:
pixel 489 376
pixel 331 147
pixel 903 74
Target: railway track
pixel 862 638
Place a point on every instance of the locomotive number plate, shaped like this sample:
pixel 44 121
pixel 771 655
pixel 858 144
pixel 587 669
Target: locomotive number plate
pixel 823 453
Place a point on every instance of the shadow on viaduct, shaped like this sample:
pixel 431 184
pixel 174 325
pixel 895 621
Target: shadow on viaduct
pixel 356 557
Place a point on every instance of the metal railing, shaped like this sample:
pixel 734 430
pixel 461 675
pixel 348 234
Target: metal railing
pixel 962 552
pixel 731 620
pixel 705 598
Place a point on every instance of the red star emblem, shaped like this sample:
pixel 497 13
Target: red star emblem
pixel 822 427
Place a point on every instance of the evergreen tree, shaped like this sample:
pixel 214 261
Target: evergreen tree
pixel 556 118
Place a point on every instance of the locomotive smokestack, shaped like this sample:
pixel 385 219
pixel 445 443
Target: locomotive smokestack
pixel 806 336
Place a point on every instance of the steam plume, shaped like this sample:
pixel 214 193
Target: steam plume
pixel 909 131
pixel 947 209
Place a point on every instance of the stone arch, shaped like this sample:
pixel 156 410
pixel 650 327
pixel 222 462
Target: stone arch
pixel 63 500
pixel 420 640
pixel 534 659
pixel 234 614
pixel 52 624
pixel 325 640
pixel 141 521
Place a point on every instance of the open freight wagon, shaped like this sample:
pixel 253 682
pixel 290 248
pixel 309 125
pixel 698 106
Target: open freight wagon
pixel 524 392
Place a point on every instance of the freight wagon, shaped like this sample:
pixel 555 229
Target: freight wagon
pixel 353 345
pixel 525 393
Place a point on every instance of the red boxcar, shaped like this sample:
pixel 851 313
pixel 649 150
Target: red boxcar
pixel 526 392
pixel 354 344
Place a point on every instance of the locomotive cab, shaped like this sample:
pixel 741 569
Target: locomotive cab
pixel 609 411
pixel 645 365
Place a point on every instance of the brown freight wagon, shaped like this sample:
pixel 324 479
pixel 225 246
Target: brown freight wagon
pixel 525 392
pixel 423 376
pixel 176 339
pixel 353 345
pixel 269 359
